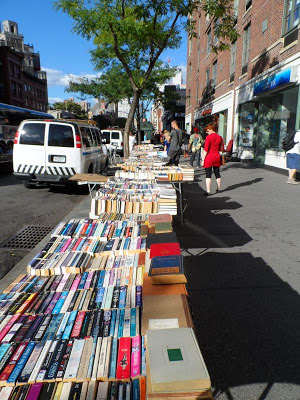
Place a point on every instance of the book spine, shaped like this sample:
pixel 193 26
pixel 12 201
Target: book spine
pixel 69 326
pixel 40 361
pixel 121 323
pixel 136 357
pixel 45 365
pixel 133 322
pixel 56 360
pixel 34 391
pixel 21 363
pixel 74 361
pixel 64 362
pixel 113 359
pixel 33 359
pixel 12 362
pixel 123 363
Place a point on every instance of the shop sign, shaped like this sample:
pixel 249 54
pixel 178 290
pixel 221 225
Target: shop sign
pixel 272 82
pixel 206 112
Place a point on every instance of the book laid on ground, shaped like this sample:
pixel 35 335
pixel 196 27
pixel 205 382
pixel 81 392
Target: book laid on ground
pixel 176 362
pixel 167 270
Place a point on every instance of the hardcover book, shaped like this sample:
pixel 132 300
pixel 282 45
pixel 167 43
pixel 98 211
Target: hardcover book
pixel 176 362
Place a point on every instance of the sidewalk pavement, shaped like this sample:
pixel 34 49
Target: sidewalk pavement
pixel 242 256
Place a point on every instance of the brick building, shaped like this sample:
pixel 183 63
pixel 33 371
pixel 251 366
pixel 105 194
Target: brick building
pixel 253 88
pixel 22 82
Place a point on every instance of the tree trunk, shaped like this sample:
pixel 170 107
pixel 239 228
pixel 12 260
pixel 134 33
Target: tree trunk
pixel 116 113
pixel 138 122
pixel 129 122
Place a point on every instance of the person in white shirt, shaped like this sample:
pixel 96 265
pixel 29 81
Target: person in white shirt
pixel 132 141
pixel 293 160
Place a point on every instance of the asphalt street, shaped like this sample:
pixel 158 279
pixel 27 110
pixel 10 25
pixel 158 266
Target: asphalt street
pixel 22 207
pixel 242 260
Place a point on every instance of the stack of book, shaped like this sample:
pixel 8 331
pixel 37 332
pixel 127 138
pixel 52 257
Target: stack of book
pixel 134 390
pixel 155 170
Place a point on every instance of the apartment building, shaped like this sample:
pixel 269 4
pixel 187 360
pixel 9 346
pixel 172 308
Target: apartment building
pixel 22 82
pixel 252 89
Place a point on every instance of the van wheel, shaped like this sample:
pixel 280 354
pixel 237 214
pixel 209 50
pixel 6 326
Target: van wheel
pixel 91 169
pixel 29 185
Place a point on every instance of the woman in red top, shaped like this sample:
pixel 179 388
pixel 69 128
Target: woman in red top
pixel 211 157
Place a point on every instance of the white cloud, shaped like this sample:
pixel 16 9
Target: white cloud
pixel 52 100
pixel 56 77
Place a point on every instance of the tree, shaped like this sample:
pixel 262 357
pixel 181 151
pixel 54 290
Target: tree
pixel 113 85
pixel 134 33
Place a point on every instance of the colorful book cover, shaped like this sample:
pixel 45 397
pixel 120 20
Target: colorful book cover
pixel 135 357
pixel 123 362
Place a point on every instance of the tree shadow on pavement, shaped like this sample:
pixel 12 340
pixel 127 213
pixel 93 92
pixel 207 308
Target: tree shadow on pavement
pixel 246 319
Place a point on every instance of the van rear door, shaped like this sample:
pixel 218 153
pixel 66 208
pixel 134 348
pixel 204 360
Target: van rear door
pixel 61 154
pixel 29 156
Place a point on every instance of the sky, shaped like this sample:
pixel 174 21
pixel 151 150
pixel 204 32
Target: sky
pixel 62 53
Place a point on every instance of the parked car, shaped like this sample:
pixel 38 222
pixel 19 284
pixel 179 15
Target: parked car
pixel 113 138
pixel 51 151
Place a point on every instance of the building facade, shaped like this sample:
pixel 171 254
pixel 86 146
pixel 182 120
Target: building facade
pixel 22 82
pixel 252 89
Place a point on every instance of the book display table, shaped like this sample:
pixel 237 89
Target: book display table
pixel 87 321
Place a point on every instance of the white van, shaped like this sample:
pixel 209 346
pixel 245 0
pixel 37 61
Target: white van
pixel 51 151
pixel 113 138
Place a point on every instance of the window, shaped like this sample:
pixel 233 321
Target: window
pixel 198 59
pixel 246 46
pixel 25 87
pixel 190 71
pixel 189 97
pixel 33 134
pixel 190 46
pixel 248 4
pixel 236 8
pixel 208 44
pixel 61 135
pixel 207 77
pixel 197 95
pixel 233 59
pixel 292 13
pixel 115 135
pixel 105 137
pixel 216 29
pixel 86 137
pixel 214 74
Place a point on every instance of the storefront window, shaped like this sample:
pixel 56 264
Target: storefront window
pixel 246 125
pixel 283 117
pixel 222 130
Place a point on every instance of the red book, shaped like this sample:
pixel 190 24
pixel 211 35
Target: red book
pixel 77 244
pixel 78 324
pixel 164 249
pixel 123 364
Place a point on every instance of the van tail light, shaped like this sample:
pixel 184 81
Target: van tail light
pixel 78 142
pixel 16 137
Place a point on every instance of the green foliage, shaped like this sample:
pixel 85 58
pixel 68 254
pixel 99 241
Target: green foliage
pixel 134 33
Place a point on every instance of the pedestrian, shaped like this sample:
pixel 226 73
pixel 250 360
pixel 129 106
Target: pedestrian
pixel 176 142
pixel 132 141
pixel 195 144
pixel 211 157
pixel 166 141
pixel 293 160
pixel 185 144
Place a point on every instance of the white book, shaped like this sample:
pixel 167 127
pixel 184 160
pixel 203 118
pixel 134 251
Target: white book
pixel 40 361
pixel 107 358
pixel 102 391
pixel 91 393
pixel 65 393
pixel 126 324
pixel 6 392
pixel 84 389
pixel 109 296
pixel 67 302
pixel 74 360
pixel 128 297
pixel 102 358
pixel 176 362
pixel 106 278
pixel 96 359
pixel 110 262
pixel 133 296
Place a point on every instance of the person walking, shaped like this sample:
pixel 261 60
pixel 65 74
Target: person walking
pixel 293 160
pixel 176 142
pixel 185 144
pixel 195 143
pixel 211 157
